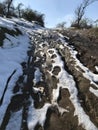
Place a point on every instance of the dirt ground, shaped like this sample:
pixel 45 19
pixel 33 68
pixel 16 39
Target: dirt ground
pixel 47 47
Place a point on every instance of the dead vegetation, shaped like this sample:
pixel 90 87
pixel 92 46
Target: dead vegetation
pixel 4 31
pixel 85 42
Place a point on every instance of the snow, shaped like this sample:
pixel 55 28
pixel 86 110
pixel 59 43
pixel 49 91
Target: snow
pixel 93 78
pixel 87 73
pixel 69 83
pixel 22 22
pixel 62 110
pixel 96 67
pixel 15 121
pixel 55 95
pixel 12 54
pixel 4 22
pixel 8 93
pixel 61 46
pixel 61 36
pixel 94 91
pixel 11 23
pixel 37 59
pixel 10 41
pixel 37 76
pixel 10 59
pixel 37 115
pixel 41 53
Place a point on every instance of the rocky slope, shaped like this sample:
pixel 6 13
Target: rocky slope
pixel 56 89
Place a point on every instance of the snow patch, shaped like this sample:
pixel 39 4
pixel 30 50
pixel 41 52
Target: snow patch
pixel 37 115
pixel 37 76
pixel 87 73
pixel 10 59
pixel 7 23
pixel 69 83
pixel 9 94
pixel 15 121
pixel 94 91
pixel 96 67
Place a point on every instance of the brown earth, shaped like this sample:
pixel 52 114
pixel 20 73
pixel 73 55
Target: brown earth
pixel 87 47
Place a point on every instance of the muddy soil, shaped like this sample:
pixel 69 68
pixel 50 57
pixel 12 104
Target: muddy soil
pixel 48 56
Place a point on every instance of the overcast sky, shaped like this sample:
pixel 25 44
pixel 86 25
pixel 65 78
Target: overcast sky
pixel 59 10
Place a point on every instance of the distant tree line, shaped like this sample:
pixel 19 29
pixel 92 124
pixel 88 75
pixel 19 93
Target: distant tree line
pixel 7 9
pixel 80 21
pixel 61 25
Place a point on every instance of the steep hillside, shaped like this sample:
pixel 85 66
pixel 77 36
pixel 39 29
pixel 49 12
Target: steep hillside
pixel 45 82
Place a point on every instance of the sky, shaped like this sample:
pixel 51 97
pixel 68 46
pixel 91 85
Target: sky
pixel 57 11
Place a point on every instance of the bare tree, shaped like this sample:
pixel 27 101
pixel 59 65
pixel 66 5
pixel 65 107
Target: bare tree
pixel 96 23
pixel 2 8
pixel 32 15
pixel 61 25
pixel 19 9
pixel 80 11
pixel 8 4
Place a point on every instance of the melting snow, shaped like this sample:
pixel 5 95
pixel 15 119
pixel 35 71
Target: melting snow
pixel 37 115
pixel 87 73
pixel 37 76
pixel 96 67
pixel 12 54
pixel 67 81
pixel 15 121
pixel 7 23
pixel 94 91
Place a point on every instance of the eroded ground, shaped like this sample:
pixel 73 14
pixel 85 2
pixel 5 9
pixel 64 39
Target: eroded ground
pixel 56 91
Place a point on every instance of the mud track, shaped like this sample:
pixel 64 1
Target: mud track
pixel 53 87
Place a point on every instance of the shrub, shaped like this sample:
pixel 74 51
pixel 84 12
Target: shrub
pixel 84 23
pixel 2 8
pixel 31 15
pixel 4 30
